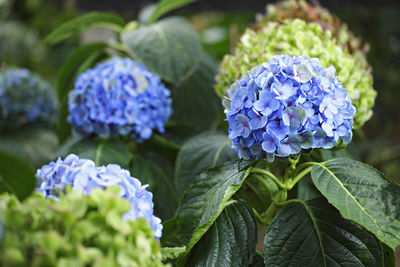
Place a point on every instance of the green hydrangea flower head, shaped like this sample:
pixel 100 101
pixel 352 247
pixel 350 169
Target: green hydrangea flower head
pixel 76 231
pixel 297 37
pixel 301 9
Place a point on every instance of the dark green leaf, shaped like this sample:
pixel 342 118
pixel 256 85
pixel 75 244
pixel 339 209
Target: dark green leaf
pixel 194 100
pixel 312 233
pixel 36 145
pixel 103 153
pixel 230 241
pixel 199 153
pixel 82 23
pixel 171 48
pixel 165 6
pixel 203 201
pixel 361 194
pixel 71 64
pixel 165 197
pixel 78 61
pixel 306 189
pixel 17 176
pixel 389 256
pixel 258 261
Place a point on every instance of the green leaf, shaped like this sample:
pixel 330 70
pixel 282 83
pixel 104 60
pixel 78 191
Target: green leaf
pixel 306 189
pixel 171 48
pixel 165 197
pixel 37 145
pixel 84 22
pixel 71 64
pixel 171 253
pixel 389 256
pixel 312 233
pixel 78 61
pixel 165 6
pixel 194 100
pixel 203 201
pixel 199 153
pixel 17 176
pixel 230 241
pixel 361 194
pixel 103 153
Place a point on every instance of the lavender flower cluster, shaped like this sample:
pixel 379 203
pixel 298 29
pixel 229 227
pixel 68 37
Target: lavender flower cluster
pixel 25 98
pixel 119 97
pixel 286 105
pixel 82 174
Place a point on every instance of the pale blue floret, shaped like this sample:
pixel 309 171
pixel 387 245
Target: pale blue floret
pixel 286 105
pixel 119 97
pixel 83 174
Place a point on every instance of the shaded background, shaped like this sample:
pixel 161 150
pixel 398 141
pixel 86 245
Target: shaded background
pixel 220 24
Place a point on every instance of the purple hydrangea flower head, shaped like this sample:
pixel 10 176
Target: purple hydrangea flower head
pixel 285 105
pixel 25 99
pixel 119 97
pixel 83 174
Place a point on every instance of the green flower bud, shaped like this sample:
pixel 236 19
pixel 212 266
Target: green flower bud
pixel 78 230
pixel 297 37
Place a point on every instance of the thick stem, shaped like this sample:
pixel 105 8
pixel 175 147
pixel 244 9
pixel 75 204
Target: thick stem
pixel 271 176
pixel 299 176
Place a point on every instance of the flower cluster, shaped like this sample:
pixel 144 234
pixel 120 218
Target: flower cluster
pixel 301 9
pixel 82 174
pixel 297 37
pixel 77 230
pixel 25 98
pixel 119 97
pixel 286 105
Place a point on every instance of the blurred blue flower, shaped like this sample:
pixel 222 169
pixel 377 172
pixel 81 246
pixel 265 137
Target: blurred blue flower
pixel 25 98
pixel 119 97
pixel 83 174
pixel 286 105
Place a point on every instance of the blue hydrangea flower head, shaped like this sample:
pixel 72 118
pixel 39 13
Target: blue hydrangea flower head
pixel 119 97
pixel 83 174
pixel 286 105
pixel 25 99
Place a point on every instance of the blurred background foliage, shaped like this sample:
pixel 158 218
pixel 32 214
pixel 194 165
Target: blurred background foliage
pixel 25 23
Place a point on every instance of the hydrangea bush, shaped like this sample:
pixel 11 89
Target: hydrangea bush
pixel 273 202
pixel 297 37
pixel 285 105
pixel 77 230
pixel 119 97
pixel 25 99
pixel 82 174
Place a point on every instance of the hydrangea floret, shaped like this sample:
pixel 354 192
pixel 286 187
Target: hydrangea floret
pixel 77 230
pixel 25 98
pixel 286 105
pixel 119 97
pixel 296 37
pixel 84 175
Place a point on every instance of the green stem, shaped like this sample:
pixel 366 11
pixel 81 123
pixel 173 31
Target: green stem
pixel 259 218
pixel 264 182
pixel 270 212
pixel 284 203
pixel 271 176
pixel 299 176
